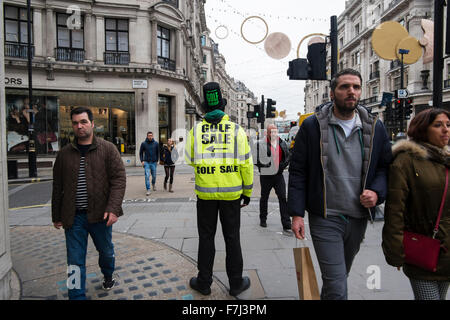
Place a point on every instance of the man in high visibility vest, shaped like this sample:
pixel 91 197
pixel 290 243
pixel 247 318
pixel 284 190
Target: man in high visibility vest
pixel 220 154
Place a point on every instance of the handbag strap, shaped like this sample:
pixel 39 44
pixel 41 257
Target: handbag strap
pixel 442 204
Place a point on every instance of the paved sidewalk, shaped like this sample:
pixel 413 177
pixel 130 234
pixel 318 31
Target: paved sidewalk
pixel 157 242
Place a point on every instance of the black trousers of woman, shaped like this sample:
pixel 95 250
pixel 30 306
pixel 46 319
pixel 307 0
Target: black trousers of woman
pixel 169 172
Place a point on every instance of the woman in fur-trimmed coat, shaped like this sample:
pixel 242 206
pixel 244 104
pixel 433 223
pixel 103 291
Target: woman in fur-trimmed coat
pixel 416 186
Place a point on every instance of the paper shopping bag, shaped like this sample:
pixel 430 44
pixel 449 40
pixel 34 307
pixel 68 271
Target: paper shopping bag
pixel 306 277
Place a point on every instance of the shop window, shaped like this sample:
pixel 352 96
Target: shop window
pixel 114 119
pixel 16 32
pixel 45 114
pixel 70 42
pixel 164 111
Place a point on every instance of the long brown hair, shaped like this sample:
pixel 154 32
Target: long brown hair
pixel 419 124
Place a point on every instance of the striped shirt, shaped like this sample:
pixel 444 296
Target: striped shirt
pixel 81 199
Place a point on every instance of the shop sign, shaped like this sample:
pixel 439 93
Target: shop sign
pixel 140 84
pixel 190 110
pixel 13 81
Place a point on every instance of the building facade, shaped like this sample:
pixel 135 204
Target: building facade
pixel 355 27
pixel 136 64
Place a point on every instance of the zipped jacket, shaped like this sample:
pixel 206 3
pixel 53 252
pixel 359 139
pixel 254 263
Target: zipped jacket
pixel 306 187
pixel 149 151
pixel 105 181
pixel 222 160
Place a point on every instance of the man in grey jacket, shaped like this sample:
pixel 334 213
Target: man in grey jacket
pixel 338 174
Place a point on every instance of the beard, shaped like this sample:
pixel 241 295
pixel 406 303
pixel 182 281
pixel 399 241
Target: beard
pixel 344 109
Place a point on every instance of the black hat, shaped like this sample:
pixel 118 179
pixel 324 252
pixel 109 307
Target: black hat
pixel 212 97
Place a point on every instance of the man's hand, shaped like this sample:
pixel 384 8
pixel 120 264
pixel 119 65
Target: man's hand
pixel 246 200
pixel 368 198
pixel 57 225
pixel 143 163
pixel 111 217
pixel 298 227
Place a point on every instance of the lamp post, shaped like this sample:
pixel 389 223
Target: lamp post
pixel 32 169
pixel 402 105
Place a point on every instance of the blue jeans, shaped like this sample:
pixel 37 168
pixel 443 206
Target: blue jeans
pixel 76 243
pixel 149 167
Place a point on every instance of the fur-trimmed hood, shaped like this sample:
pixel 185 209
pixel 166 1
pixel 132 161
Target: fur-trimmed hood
pixel 422 151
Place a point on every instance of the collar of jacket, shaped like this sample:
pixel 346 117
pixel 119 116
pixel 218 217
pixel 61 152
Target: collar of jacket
pixel 93 144
pixel 422 150
pixel 214 116
pixel 225 117
pixel 325 109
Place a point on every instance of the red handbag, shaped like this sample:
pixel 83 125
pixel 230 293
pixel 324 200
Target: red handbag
pixel 422 251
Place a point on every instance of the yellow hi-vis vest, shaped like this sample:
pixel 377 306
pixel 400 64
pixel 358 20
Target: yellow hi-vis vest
pixel 222 160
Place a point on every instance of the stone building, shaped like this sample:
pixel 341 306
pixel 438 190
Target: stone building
pixel 137 64
pixel 355 27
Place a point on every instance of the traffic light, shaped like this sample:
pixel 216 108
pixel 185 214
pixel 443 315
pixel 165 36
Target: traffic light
pixel 408 108
pixel 313 68
pixel 293 123
pixel 398 112
pixel 270 111
pixel 260 107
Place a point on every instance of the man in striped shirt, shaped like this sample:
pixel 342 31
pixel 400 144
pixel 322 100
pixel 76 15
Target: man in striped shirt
pixel 89 183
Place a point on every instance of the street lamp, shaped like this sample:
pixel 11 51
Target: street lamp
pixel 402 52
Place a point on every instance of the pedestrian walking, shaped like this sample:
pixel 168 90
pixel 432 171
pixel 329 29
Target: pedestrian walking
pixel 219 152
pixel 89 183
pixel 338 173
pixel 169 155
pixel 417 179
pixel 272 158
pixel 149 155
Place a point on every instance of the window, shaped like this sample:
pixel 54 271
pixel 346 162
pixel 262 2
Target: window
pixel 116 38
pixel 163 49
pixel 341 42
pixel 163 42
pixel 16 32
pixel 204 58
pixel 203 41
pixel 374 91
pixel 70 46
pixel 16 25
pixel 164 111
pixel 356 29
pixel 396 83
pixel 116 31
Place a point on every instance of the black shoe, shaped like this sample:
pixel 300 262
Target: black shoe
pixel 263 224
pixel 193 283
pixel 108 283
pixel 287 229
pixel 245 284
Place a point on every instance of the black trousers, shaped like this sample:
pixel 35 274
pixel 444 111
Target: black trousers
pixel 169 172
pixel 230 219
pixel 277 182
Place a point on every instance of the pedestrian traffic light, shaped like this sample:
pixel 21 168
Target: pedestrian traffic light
pixel 408 108
pixel 293 123
pixel 270 111
pixel 313 68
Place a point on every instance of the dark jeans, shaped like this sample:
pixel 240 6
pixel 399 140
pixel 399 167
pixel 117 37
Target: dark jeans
pixel 169 172
pixel 336 242
pixel 230 219
pixel 276 182
pixel 76 243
